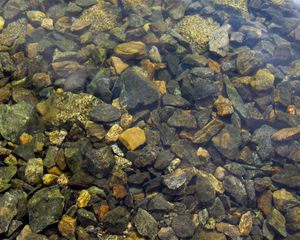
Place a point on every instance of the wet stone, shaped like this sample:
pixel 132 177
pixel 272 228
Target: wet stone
pixel 145 224
pixel 186 151
pixel 208 131
pixel 249 61
pixel 277 222
pixel 286 134
pixel 8 210
pixel 284 200
pixel 116 220
pixel 45 207
pixel 292 219
pixel 132 138
pixel 245 225
pixel 175 180
pixel 182 119
pixel 219 41
pixel 205 192
pixel 236 189
pixel 183 226
pixel 34 171
pixel 105 113
pixel 131 50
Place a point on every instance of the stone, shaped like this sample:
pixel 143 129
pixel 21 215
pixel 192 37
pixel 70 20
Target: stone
pixel 185 150
pixel 228 229
pixel 196 30
pixel 113 133
pixel 224 106
pixel 65 68
pixel 175 180
pixel 86 218
pixel 204 191
pixel 265 202
pixel 248 61
pixel 132 138
pixel 182 119
pixel 25 138
pixel 49 179
pixel 60 108
pixel 116 220
pixel 118 65
pixel 67 226
pixel 17 119
pixel 136 91
pixel 167 233
pixel 145 224
pixel 245 225
pixel 183 226
pixel 174 100
pixel 276 221
pixel 100 161
pixel 99 18
pixel 8 210
pixel 203 235
pixel 208 131
pixel 2 23
pixel 236 189
pixel 131 50
pixel 105 113
pixel 34 171
pixel 228 141
pixel 292 219
pixel 76 81
pixel 83 199
pixel 286 134
pixel 35 16
pixel 284 200
pixel 45 207
pixel 263 80
pixel 289 177
pixel 47 23
pixel 219 41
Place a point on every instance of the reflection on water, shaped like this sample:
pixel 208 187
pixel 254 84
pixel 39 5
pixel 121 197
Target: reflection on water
pixel 149 119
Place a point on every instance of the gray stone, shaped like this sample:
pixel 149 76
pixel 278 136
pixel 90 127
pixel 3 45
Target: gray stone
pixel 145 224
pixel 276 221
pixel 182 119
pixel 45 207
pixel 205 192
pixel 236 189
pixel 116 220
pixel 183 226
pixel 8 210
pixel 219 41
pixel 105 113
pixel 293 219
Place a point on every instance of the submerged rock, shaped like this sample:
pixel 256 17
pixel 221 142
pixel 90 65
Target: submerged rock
pixel 145 224
pixel 8 210
pixel 219 41
pixel 116 220
pixel 45 207
pixel 61 108
pixel 17 119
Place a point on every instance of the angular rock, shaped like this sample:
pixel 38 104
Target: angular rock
pixel 45 207
pixel 132 138
pixel 284 200
pixel 219 41
pixel 245 225
pixel 277 222
pixel 34 171
pixel 293 219
pixel 185 151
pixel 105 113
pixel 286 134
pixel 176 179
pixel 131 50
pixel 236 189
pixel 182 119
pixel 145 224
pixel 116 220
pixel 248 61
pixel 8 210
pixel 208 131
pixel 183 226
pixel 204 191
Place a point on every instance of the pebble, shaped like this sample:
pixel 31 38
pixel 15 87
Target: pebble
pixel 132 138
pixel 47 23
pixel 286 134
pixel 245 225
pixel 118 65
pixel 277 222
pixel 67 226
pixel 2 23
pixel 145 224
pixel 224 106
pixel 83 199
pixel 113 133
pixel 36 16
pixel 131 50
pixel 34 171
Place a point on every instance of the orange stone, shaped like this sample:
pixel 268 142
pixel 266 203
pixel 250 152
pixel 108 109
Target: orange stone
pixel 102 211
pixel 265 202
pixel 119 191
pixel 25 138
pixel 118 65
pixel 215 66
pixel 132 138
pixel 223 106
pixel 67 226
pixel 161 86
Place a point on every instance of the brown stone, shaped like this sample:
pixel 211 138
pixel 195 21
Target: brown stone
pixel 245 225
pixel 286 134
pixel 118 65
pixel 119 191
pixel 215 66
pixel 131 50
pixel 228 229
pixel 149 67
pixel 211 236
pixel 65 68
pixel 161 86
pixel 208 131
pixel 265 202
pixel 41 80
pixel 132 138
pixel 102 211
pixel 67 226
pixel 5 94
pixel 25 138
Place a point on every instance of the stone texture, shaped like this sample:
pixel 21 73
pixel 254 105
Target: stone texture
pixel 145 224
pixel 132 138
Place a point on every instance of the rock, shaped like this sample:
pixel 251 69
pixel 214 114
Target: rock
pixel 167 233
pixel 2 23
pixel 83 199
pixel 154 54
pixel 195 60
pixel 100 161
pixel 263 80
pixel 113 133
pixel 47 23
pixel 276 221
pixel 49 179
pixel 61 108
pixel 131 50
pixel 27 233
pixel 208 131
pixel 228 141
pixel 132 138
pixel 35 16
pixel 118 65
pixel 136 90
pixel 100 86
pixel 174 100
pixel 145 224
pixel 218 186
pixel 223 106
pixel 116 220
pixel 289 176
pixel 14 30
pixel 163 160
pixel 176 179
pixel 203 235
pixel 34 171
pixel 248 61
pixel 265 202
pixel 6 174
pixel 232 7
pixel 99 18
pixel 105 113
pixel 181 118
pixel 236 189
pixel 262 139
pixel 45 207
pixel 67 226
pixel 196 30
pixel 286 134
pixel 86 218
pixel 41 80
pixel 204 191
pixel 186 151
pixel 219 41
pixel 292 219
pixel 76 81
pixel 8 210
pixel 183 226
pixel 228 229
pixel 284 200
pixel 245 225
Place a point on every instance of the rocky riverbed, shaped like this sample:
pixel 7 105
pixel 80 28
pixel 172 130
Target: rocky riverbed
pixel 149 119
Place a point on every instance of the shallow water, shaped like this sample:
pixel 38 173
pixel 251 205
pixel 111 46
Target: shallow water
pixel 149 119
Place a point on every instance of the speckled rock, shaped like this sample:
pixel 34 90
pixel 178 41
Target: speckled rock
pixel 145 224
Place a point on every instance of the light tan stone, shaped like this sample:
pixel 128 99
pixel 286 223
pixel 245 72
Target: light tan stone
pixel 245 225
pixel 114 133
pixel 83 199
pixel 67 226
pixel 132 138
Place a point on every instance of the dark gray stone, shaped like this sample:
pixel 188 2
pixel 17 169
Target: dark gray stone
pixel 105 113
pixel 183 226
pixel 145 224
pixel 116 220
pixel 236 189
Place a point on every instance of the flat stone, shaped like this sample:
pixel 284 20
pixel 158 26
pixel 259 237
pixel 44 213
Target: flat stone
pixel 245 225
pixel 132 138
pixel 116 220
pixel 219 41
pixel 236 189
pixel 228 229
pixel 204 191
pixel 293 219
pixel 131 50
pixel 183 226
pixel 105 113
pixel 211 236
pixel 248 61
pixel 286 134
pixel 181 118
pixel 67 226
pixel 284 200
pixel 263 80
pixel 145 224
pixel 8 210
pixel 45 207
pixel 208 131
pixel 34 171
pixel 277 222
pixel 35 16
